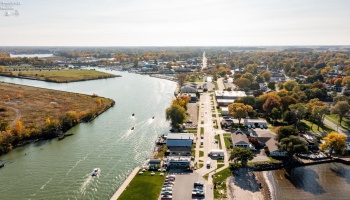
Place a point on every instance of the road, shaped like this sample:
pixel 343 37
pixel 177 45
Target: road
pixel 206 116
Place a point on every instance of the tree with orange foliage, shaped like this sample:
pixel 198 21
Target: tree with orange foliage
pixel 269 104
pixel 239 110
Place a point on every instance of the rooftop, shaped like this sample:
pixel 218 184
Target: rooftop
pixel 180 136
pixel 239 137
pixel 233 94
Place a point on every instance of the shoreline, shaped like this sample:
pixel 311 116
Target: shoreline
pixel 272 194
pixel 52 81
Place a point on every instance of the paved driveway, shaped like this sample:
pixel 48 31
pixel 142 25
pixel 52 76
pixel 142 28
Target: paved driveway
pixel 183 186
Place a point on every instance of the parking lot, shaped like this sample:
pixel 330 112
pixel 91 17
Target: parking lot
pixel 183 186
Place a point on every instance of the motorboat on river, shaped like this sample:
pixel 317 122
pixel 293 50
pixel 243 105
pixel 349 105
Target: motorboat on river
pixel 95 172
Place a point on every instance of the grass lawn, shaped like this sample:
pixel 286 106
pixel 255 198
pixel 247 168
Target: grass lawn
pixel 313 128
pixel 335 119
pixel 191 130
pixel 219 110
pixel 202 130
pixel 217 137
pixel 216 86
pixel 220 165
pixel 221 177
pixel 228 142
pixel 201 153
pixel 144 186
pixel 63 76
pixel 196 80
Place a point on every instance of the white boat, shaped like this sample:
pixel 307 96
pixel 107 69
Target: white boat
pixel 95 172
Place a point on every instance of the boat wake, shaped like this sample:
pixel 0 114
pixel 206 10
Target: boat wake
pixel 42 187
pixel 86 183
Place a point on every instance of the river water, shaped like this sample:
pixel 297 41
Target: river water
pixel 62 169
pixel 321 182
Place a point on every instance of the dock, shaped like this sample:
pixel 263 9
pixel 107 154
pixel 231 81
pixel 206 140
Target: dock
pixel 125 184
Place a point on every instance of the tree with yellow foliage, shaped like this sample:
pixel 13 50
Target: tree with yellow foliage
pixel 333 142
pixel 17 130
pixel 239 110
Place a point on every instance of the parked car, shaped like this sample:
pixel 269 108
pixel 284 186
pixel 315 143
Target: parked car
pixel 253 126
pixel 166 197
pixel 262 126
pixel 198 184
pixel 167 189
pixel 170 176
pixel 249 126
pixel 167 193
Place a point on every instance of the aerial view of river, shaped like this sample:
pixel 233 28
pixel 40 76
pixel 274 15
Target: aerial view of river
pixel 62 169
pixel 321 182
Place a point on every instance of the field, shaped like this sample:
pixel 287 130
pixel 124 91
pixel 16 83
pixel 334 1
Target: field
pixel 37 108
pixel 144 186
pixel 62 76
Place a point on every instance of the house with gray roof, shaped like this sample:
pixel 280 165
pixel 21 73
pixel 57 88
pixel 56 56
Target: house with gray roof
pixel 179 144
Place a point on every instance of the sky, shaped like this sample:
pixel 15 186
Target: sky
pixel 174 22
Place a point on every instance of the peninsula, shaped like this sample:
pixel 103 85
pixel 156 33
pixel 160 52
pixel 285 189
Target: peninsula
pixel 30 113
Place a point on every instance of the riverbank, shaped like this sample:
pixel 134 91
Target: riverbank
pixel 249 185
pixel 60 76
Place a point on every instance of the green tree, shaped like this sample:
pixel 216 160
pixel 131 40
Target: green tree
pixel 242 155
pixel 267 76
pixel 243 82
pixel 333 142
pixel 239 110
pixel 299 110
pixel 249 76
pixel 176 115
pixel 275 115
pixel 292 145
pixel 248 100
pixel 259 79
pixel 341 109
pixel 318 110
pixel 285 131
pixel 289 85
pixel 271 85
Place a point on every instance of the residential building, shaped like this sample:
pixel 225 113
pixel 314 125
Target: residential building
pixel 256 122
pixel 179 144
pixel 181 162
pixel 240 139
